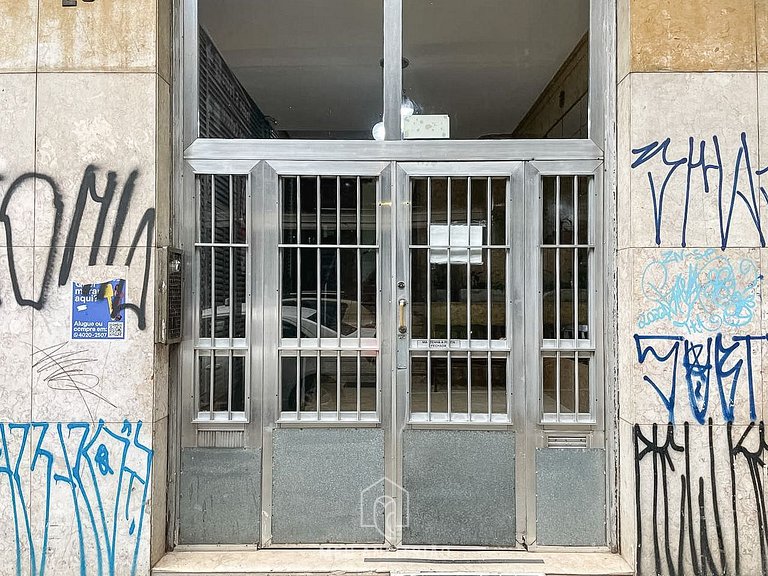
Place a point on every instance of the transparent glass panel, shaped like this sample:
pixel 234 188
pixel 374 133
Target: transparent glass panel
pixel 349 301
pixel 205 291
pixel 328 381
pixel 439 369
pixel 549 384
pixel 368 385
pixel 583 272
pixel 439 204
pixel 566 210
pixel 548 287
pixel 583 207
pixel 567 384
pixel 288 383
pixel 289 292
pixel 240 209
pixel 497 68
pixel 308 198
pixel 566 293
pixel 349 211
pixel 458 202
pixel 439 293
pixel 239 263
pixel 290 68
pixel 479 205
pixel 418 384
pixel 549 210
pixel 459 383
pixel 221 292
pixel 478 278
pixel 308 322
pixel 419 293
pixel 584 393
pixel 459 301
pixel 419 211
pixel 328 224
pixel 499 212
pixel 348 383
pixel 308 386
pixel 499 385
pixel 221 383
pixel 238 383
pixel 368 293
pixel 368 210
pixel 204 380
pixel 479 385
pixel 328 301
pixel 289 206
pixel 498 294
pixel 204 182
pixel 222 215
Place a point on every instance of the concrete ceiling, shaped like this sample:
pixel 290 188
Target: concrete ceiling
pixel 313 65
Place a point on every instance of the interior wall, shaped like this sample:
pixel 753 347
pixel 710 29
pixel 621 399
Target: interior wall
pixel 691 266
pixel 84 191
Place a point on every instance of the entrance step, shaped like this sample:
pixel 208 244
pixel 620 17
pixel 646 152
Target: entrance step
pixel 379 562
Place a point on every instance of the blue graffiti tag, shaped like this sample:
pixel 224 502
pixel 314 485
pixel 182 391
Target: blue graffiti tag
pixel 700 359
pixel 727 178
pixel 101 472
pixel 700 290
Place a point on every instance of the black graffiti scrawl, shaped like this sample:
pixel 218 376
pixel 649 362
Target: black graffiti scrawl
pixel 113 200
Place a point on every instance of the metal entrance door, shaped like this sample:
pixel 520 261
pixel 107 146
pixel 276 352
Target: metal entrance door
pixel 459 357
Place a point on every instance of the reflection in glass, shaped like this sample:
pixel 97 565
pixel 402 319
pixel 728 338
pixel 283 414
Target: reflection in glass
pixel 439 384
pixel 499 385
pixel 478 278
pixel 204 380
pixel 204 183
pixel 328 303
pixel 549 210
pixel 566 210
pixel 205 292
pixel 221 293
pixel 368 383
pixel 499 212
pixel 498 294
pixel 583 202
pixel 439 201
pixel 459 384
pixel 221 383
pixel 308 199
pixel 349 283
pixel 328 224
pixel 368 293
pixel 289 207
pixel 308 384
pixel 239 209
pixel 549 285
pixel 368 211
pixel 566 293
pixel 549 381
pixel 328 383
pixel 238 383
pixel 583 271
pixel 419 293
pixel 584 395
pixel 419 384
pixel 348 208
pixel 239 262
pixel 438 308
pixel 348 389
pixel 419 211
pixel 288 383
pixel 221 196
pixel 459 301
pixel 567 384
pixel 479 384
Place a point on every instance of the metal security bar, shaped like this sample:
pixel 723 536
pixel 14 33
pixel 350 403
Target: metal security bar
pixel 459 256
pixel 223 296
pixel 568 347
pixel 329 298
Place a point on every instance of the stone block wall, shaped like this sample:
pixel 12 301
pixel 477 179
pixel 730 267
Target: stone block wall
pixel 692 226
pixel 84 175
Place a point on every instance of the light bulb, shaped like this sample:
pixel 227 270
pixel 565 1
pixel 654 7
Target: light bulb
pixel 378 131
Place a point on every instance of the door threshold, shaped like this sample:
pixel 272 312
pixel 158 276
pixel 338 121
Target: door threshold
pixel 375 562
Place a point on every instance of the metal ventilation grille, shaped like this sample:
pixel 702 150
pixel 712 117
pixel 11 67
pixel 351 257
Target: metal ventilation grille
pixel 175 288
pixel 226 110
pixel 567 441
pixel 219 438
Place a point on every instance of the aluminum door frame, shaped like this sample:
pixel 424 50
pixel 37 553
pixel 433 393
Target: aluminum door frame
pixel 515 172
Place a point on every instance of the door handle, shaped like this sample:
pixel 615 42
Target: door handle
pixel 401 316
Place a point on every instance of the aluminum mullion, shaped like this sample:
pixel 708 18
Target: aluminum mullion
pixel 318 383
pixel 299 387
pixel 576 299
pixel 359 274
pixel 448 280
pixel 358 355
pixel 338 385
pixel 489 387
pixel 231 295
pixel 429 385
pixel 557 262
pixel 469 297
pixel 338 271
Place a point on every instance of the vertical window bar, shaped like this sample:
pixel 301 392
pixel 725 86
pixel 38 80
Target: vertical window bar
pixel 359 286
pixel 469 298
pixel 577 407
pixel 448 291
pixel 211 392
pixel 429 385
pixel 358 383
pixel 299 391
pixel 557 384
pixel 299 285
pixel 450 358
pixel 557 267
pixel 338 271
pixel 575 296
pixel 489 386
pixel 318 301
pixel 318 379
pixel 213 263
pixel 429 263
pixel 338 384
pixel 489 208
pixel 231 295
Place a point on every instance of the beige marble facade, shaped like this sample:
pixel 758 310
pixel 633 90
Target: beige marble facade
pixel 692 262
pixel 84 114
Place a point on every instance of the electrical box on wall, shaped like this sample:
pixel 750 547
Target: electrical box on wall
pixel 170 283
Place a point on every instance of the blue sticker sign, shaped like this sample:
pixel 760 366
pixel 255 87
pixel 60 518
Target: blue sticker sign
pixel 98 310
